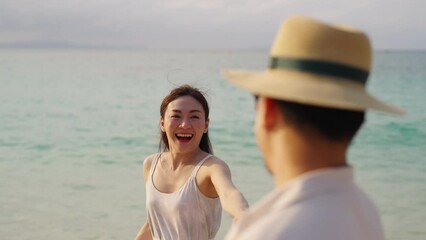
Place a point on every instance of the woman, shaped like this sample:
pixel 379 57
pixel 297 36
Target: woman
pixel 186 186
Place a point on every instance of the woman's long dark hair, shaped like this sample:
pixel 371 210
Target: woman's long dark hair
pixel 186 90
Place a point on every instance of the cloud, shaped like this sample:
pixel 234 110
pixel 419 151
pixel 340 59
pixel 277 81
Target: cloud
pixel 200 23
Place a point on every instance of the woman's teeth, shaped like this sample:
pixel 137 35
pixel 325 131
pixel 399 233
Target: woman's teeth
pixel 184 136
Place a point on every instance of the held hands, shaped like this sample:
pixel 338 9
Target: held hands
pixel 239 216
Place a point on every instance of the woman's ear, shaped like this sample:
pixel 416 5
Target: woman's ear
pixel 162 124
pixel 207 125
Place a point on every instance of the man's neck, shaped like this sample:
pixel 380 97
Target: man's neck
pixel 293 155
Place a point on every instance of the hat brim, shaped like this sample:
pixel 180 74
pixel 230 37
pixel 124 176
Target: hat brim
pixel 312 89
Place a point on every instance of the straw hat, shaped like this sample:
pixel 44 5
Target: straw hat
pixel 316 64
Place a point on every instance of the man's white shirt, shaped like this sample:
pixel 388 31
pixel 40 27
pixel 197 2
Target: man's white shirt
pixel 324 204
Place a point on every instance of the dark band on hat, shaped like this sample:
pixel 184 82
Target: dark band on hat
pixel 321 67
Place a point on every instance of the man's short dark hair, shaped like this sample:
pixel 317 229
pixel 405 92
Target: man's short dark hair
pixel 333 124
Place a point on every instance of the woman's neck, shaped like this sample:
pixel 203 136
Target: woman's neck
pixel 179 159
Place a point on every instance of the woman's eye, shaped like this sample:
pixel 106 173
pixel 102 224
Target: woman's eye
pixel 175 116
pixel 195 117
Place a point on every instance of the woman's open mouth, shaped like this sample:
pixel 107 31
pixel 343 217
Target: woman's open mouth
pixel 184 137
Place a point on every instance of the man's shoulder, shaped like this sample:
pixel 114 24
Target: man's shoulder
pixel 302 224
pixel 328 216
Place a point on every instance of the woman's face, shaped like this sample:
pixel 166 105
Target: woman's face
pixel 184 124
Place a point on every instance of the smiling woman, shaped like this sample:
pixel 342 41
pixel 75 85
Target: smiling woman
pixel 191 100
pixel 186 186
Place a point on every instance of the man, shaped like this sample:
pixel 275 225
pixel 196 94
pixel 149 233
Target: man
pixel 310 103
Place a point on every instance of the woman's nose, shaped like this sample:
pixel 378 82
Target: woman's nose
pixel 185 123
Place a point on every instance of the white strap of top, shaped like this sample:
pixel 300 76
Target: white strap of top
pixel 195 171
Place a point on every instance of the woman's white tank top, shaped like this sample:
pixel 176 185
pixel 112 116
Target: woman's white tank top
pixel 186 214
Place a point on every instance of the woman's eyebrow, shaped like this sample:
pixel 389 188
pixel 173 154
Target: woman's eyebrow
pixel 195 110
pixel 191 111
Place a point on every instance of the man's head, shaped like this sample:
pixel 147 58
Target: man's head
pixel 301 128
pixel 315 84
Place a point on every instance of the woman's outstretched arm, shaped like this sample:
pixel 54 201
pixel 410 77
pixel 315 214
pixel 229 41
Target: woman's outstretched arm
pixel 231 198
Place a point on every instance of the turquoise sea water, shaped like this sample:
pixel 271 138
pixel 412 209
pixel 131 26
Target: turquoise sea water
pixel 75 126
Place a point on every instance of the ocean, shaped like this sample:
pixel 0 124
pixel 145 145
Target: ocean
pixel 75 126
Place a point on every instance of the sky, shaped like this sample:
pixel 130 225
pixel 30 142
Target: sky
pixel 201 24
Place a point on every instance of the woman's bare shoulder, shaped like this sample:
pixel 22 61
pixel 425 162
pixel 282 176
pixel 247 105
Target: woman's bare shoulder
pixel 215 161
pixel 147 162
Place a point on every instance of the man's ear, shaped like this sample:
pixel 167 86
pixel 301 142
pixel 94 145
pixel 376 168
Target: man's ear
pixel 271 113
